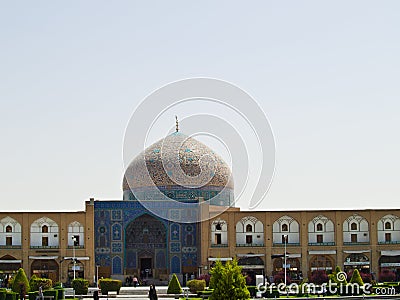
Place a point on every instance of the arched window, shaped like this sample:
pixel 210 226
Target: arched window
pixel 219 233
pixel 76 234
pixel 353 226
pixel 321 230
pixel 249 228
pixel 388 225
pixel 285 227
pixel 10 233
pixel 356 230
pixel 45 229
pixel 389 230
pixel 249 232
pixel 40 230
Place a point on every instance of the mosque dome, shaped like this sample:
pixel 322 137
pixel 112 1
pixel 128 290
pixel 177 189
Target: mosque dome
pixel 182 168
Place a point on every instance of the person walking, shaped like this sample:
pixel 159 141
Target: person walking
pixel 40 294
pixel 135 281
pixel 153 292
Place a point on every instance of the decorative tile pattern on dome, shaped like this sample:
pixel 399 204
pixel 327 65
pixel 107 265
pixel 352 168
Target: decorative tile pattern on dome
pixel 175 215
pixel 185 150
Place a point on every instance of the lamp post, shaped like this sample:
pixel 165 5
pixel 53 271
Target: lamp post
pixel 284 266
pixel 73 253
pixel 61 261
pixel 97 276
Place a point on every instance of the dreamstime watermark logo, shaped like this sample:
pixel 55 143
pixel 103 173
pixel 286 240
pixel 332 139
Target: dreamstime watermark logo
pixel 340 287
pixel 211 108
pixel 341 276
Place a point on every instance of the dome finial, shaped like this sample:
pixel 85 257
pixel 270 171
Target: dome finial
pixel 177 123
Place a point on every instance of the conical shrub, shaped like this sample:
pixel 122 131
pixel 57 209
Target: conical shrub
pixel 174 287
pixel 356 278
pixel 20 281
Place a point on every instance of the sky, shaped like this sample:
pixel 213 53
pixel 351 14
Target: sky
pixel 325 73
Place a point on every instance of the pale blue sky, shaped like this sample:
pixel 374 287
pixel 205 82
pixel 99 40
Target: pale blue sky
pixel 326 74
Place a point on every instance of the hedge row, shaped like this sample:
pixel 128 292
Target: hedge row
pixel 196 285
pixel 109 285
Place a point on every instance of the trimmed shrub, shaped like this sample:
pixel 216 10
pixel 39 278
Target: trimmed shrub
pixel 109 285
pixel 61 292
pixel 35 282
pixel 81 286
pixel 356 278
pixel 52 293
pixel 20 282
pixel 11 295
pixel 174 287
pixel 205 294
pixel 196 285
pixel 33 295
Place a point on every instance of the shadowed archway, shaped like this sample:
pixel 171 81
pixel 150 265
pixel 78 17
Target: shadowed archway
pixel 145 239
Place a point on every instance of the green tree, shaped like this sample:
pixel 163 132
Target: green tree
pixel 228 282
pixel 356 278
pixel 216 274
pixel 20 281
pixel 174 287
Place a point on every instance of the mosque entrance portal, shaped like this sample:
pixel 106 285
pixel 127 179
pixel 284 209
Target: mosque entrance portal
pixel 146 267
pixel 145 246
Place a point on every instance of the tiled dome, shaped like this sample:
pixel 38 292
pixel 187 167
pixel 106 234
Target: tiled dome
pixel 178 162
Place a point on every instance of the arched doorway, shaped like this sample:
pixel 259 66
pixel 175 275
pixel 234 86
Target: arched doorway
pixel 357 261
pixel 9 265
pixel 252 265
pixel 390 263
pixel 321 262
pixel 146 247
pixel 45 268
pixel 79 270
